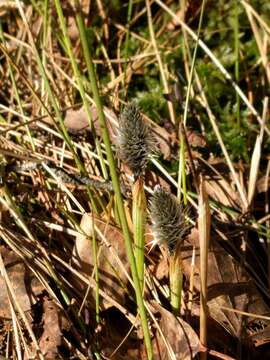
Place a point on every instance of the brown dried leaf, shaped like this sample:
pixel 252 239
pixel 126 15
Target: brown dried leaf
pixel 228 284
pixel 261 337
pixel 263 184
pixel 111 274
pixel 151 180
pixel 25 285
pixel 162 269
pixel 220 183
pixel 166 141
pixel 178 334
pixel 195 139
pixel 114 330
pixel 70 14
pixel 219 189
pixel 173 23
pixel 52 334
pixel 76 121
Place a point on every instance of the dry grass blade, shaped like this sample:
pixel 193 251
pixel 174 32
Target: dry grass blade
pixel 256 15
pixel 176 281
pixel 59 210
pixel 204 224
pixel 263 317
pixel 160 64
pixel 256 157
pixel 215 127
pixel 191 280
pixel 260 42
pixel 254 169
pixel 18 308
pixel 15 323
pixel 216 62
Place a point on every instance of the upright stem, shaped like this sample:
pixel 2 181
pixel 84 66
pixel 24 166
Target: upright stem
pixel 120 206
pixel 182 161
pixel 130 5
pixel 204 223
pixel 176 281
pixel 139 219
pixel 236 66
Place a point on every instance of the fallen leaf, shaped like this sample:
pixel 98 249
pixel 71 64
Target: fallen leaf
pixel 70 15
pixel 228 285
pixel 76 121
pixel 220 190
pixel 151 180
pixel 112 278
pixel 195 139
pixel 52 335
pixel 218 184
pixel 263 184
pixel 25 285
pixel 114 330
pixel 261 336
pixel 179 335
pixel 162 269
pixel 166 140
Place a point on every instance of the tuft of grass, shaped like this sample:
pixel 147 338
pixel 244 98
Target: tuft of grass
pixel 65 57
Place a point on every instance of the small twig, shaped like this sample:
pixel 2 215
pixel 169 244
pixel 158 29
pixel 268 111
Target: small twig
pixel 74 179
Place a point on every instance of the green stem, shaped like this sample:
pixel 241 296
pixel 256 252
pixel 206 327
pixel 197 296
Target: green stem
pixel 176 282
pixel 119 201
pixel 139 220
pixel 77 73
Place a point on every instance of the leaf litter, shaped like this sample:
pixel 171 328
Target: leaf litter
pixel 237 290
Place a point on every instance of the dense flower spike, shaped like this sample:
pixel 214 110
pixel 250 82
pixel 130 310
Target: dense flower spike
pixel 135 140
pixel 168 219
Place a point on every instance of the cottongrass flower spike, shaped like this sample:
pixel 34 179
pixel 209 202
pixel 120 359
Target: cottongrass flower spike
pixel 136 142
pixel 168 219
pixel 170 228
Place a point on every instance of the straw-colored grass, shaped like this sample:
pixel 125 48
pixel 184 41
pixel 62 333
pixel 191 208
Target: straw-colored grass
pixel 90 60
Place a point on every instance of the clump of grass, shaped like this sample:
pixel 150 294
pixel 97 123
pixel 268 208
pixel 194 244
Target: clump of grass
pixel 170 228
pixel 50 60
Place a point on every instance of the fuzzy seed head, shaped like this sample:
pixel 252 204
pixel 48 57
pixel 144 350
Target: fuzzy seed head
pixel 135 141
pixel 168 219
